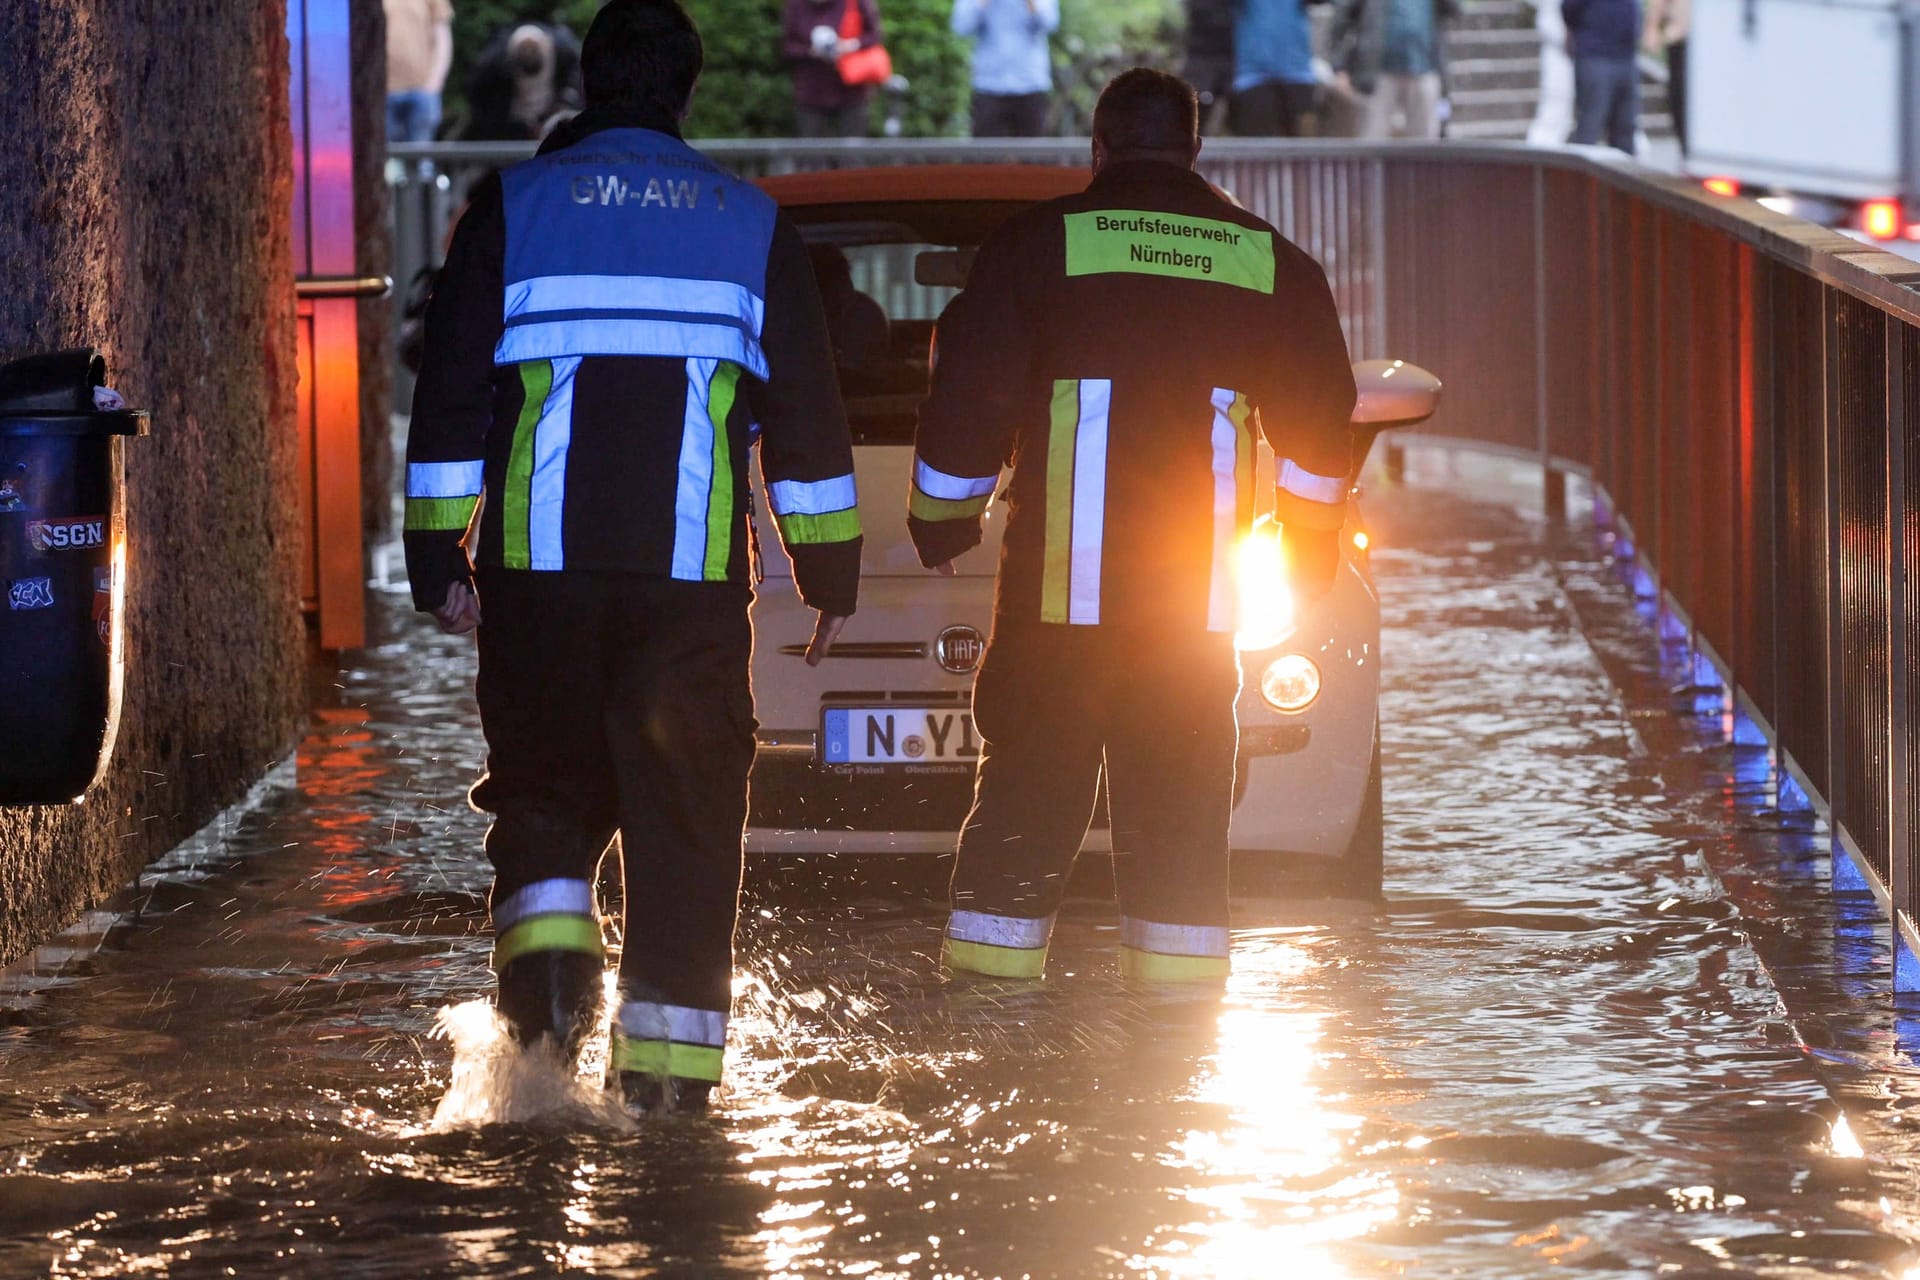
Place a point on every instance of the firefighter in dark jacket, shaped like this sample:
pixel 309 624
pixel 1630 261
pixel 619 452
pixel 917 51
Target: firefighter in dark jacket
pixel 618 319
pixel 1121 349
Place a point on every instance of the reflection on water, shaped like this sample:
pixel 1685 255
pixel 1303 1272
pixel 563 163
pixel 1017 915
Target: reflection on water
pixel 1562 1044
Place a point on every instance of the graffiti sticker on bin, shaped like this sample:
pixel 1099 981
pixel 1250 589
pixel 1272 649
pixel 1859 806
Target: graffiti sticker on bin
pixel 30 593
pixel 68 533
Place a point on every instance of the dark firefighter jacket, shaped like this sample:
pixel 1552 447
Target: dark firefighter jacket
pixel 617 321
pixel 1120 349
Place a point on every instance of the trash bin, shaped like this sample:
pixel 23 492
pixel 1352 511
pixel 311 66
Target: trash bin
pixel 62 573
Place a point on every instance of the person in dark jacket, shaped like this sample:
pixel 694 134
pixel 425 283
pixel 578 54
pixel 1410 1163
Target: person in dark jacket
pixel 815 36
pixel 617 319
pixel 1123 349
pixel 1602 36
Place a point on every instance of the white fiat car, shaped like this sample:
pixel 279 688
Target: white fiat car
pixel 873 751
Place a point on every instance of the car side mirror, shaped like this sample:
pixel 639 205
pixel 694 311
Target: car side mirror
pixel 1393 393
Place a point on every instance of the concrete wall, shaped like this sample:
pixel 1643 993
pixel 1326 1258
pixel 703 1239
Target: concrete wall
pixel 144 193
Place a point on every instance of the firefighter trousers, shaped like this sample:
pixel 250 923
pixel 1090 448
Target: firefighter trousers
pixel 1054 704
pixel 616 704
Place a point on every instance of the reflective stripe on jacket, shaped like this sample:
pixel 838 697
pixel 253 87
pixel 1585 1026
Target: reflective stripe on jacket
pixel 619 320
pixel 1123 349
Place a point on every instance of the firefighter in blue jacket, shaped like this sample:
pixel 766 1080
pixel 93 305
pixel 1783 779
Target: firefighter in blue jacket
pixel 618 320
pixel 1120 349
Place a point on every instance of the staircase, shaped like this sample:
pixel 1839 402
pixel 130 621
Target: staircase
pixel 1493 61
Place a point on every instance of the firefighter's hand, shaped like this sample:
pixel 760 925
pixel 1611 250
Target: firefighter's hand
pixel 1313 560
pixel 461 613
pixel 825 631
pixel 945 569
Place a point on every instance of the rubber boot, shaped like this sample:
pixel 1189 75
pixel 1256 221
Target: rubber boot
pixel 551 994
pixel 647 1094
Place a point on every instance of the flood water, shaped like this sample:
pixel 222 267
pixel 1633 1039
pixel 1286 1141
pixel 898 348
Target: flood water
pixel 1611 1019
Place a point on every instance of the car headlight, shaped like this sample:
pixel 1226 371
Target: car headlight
pixel 1264 601
pixel 1290 683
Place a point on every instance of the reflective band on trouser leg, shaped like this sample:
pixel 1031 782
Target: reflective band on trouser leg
pixel 1232 499
pixel 935 495
pixel 1076 501
pixel 815 511
pixel 998 946
pixel 557 932
pixel 1172 952
pixel 668 1039
pixel 536 380
pixel 543 898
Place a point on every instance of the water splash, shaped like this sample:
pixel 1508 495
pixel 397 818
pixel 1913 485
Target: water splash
pixel 495 1081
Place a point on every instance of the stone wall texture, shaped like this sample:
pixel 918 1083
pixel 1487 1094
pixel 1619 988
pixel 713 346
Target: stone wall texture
pixel 145 181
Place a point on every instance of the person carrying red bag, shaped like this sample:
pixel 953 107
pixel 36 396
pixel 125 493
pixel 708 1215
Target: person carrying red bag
pixel 838 54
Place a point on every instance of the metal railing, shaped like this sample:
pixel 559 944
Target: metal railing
pixel 1742 388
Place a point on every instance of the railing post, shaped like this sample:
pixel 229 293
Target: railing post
pixel 1844 874
pixel 1555 495
pixel 1900 887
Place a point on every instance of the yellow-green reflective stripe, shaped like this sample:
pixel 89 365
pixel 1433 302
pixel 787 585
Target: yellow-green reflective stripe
pixel 536 381
pixel 1057 572
pixel 1169 244
pixel 547 933
pixel 995 962
pixel 667 1058
pixel 1154 967
pixel 922 507
pixel 440 515
pixel 720 396
pixel 1243 465
pixel 830 526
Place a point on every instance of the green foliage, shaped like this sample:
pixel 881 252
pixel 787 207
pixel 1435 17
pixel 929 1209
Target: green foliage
pixel 748 93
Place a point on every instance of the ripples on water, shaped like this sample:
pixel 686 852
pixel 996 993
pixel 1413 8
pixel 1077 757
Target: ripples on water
pixel 1562 1043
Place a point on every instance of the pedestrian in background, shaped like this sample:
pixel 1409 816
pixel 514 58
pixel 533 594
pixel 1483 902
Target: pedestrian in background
pixel 1603 36
pixel 419 54
pixel 1389 51
pixel 1553 117
pixel 1275 93
pixel 1208 65
pixel 1012 65
pixel 1124 348
pixel 616 319
pixel 526 80
pixel 817 35
pixel 1668 22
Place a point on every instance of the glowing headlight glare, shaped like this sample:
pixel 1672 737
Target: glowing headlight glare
pixel 1265 602
pixel 1290 683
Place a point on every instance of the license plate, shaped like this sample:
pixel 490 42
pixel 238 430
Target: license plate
pixel 898 735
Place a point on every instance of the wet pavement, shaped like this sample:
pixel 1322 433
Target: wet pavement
pixel 1610 1019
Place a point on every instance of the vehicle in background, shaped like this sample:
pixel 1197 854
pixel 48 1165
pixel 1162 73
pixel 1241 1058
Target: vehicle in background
pixel 1812 106
pixel 873 751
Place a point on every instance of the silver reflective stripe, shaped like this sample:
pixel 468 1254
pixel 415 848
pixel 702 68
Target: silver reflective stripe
pixel 938 484
pixel 1302 483
pixel 1221 599
pixel 445 479
pixel 547 501
pixel 544 898
pixel 672 339
pixel 643 1020
pixel 695 486
pixel 1173 939
pixel 1089 501
pixel 635 293
pixel 812 497
pixel 999 931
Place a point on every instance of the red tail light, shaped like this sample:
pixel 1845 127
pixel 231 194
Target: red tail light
pixel 1882 219
pixel 1722 186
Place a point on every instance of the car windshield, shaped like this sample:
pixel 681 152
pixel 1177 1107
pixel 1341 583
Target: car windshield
pixel 886 272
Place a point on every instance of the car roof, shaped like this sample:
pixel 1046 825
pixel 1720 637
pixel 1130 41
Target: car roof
pixel 925 183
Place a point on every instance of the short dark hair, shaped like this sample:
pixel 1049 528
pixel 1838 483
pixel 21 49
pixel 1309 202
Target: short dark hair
pixel 1144 110
pixel 641 53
